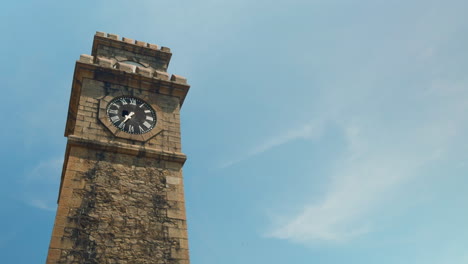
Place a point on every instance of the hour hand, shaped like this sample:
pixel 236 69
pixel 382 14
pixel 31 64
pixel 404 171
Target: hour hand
pixel 127 117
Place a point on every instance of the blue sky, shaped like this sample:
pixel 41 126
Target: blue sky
pixel 317 131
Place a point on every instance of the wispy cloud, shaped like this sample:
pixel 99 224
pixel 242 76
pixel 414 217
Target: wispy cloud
pixel 380 156
pixel 40 204
pixel 40 184
pixel 311 130
pixel 45 170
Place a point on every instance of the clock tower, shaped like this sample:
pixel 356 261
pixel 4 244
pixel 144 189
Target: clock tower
pixel 121 197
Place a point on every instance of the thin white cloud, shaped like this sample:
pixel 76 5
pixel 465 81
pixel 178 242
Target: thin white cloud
pixel 381 155
pixel 45 170
pixel 40 204
pixel 40 184
pixel 310 131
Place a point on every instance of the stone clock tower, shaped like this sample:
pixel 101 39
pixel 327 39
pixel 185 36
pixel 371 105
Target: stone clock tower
pixel 121 198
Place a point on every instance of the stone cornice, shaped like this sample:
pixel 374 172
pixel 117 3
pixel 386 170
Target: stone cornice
pixel 119 147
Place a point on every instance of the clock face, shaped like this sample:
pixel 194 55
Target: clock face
pixel 131 115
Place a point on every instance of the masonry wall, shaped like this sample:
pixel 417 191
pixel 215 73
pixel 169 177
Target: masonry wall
pixel 118 208
pixel 88 126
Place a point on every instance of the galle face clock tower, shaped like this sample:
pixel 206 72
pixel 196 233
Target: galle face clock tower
pixel 121 198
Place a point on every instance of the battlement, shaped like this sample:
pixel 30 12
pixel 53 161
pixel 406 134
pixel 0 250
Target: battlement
pixel 148 55
pixel 130 68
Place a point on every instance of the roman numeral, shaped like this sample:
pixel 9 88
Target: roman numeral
pixel 122 125
pixel 150 118
pixel 143 104
pixel 112 111
pixel 132 101
pixel 146 124
pixel 130 129
pixel 147 111
pixel 123 101
pixel 141 129
pixel 114 118
pixel 116 105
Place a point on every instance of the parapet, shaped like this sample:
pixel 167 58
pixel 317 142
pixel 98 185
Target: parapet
pixel 130 51
pixel 133 69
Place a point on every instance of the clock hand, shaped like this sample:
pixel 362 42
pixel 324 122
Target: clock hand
pixel 127 117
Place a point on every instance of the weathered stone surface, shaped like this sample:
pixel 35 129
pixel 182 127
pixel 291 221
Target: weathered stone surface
pixel 126 67
pixel 178 79
pixel 86 58
pixel 113 36
pixel 141 43
pixel 123 214
pixel 104 62
pixel 128 40
pixel 145 71
pixel 161 75
pixel 153 46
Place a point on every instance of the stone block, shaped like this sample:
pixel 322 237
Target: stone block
pixel 113 36
pixel 86 58
pixel 59 231
pixel 140 43
pixel 101 34
pixel 176 214
pixel 161 75
pixel 147 72
pixel 173 180
pixel 179 253
pixel 165 49
pixel 126 67
pixel 104 62
pixel 54 255
pixel 66 192
pixel 175 196
pixel 128 40
pixel 177 233
pixel 183 243
pixel 178 79
pixel 153 46
pixel 62 211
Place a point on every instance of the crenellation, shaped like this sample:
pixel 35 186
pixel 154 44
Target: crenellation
pixel 126 67
pixel 104 62
pixel 141 43
pixel 144 72
pixel 132 41
pixel 161 75
pixel 128 40
pixel 113 36
pixel 178 79
pixel 86 58
pixel 153 46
